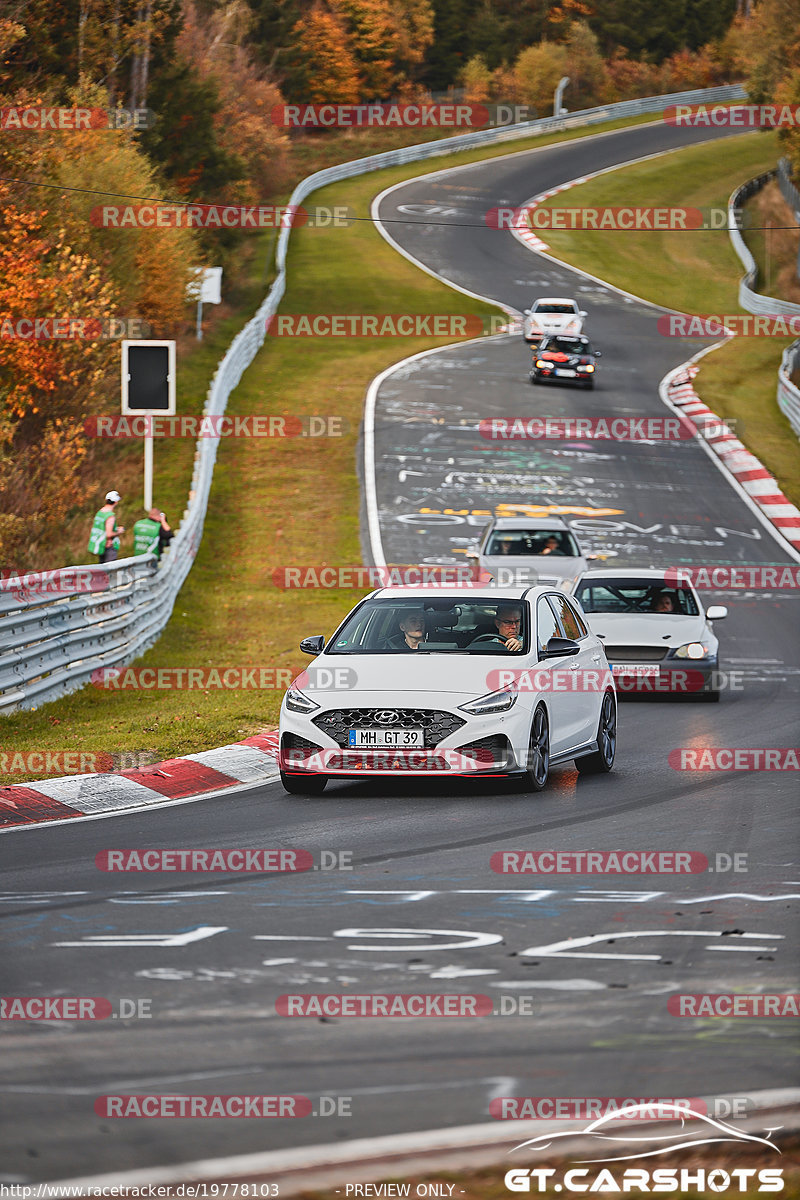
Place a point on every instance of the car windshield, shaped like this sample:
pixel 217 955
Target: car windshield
pixel 567 345
pixel 553 308
pixel 635 596
pixel 530 543
pixel 472 625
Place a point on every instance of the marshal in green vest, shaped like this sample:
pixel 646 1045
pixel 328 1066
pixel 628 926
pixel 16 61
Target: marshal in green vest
pixel 97 535
pixel 145 537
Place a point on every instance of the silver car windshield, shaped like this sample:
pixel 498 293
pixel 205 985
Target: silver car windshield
pixel 433 626
pixel 528 543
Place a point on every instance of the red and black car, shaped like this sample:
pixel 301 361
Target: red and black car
pixel 565 358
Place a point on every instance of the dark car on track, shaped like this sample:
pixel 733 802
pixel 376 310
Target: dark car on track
pixel 562 357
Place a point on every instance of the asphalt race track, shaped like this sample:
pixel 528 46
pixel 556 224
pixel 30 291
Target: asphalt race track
pixel 420 909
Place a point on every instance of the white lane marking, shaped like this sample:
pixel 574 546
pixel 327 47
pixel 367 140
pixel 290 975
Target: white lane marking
pixel 741 949
pixel 35 897
pixel 555 985
pixel 148 939
pixel 567 948
pixel 742 896
pixel 471 939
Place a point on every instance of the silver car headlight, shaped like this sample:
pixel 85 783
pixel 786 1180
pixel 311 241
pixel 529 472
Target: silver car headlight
pixel 693 650
pixel 492 702
pixel 297 701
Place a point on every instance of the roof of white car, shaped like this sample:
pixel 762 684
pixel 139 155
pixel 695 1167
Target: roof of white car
pixel 465 591
pixel 529 523
pixel 655 573
pixel 555 300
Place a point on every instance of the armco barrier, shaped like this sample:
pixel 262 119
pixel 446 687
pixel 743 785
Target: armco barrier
pixel 788 392
pixel 754 302
pixel 50 646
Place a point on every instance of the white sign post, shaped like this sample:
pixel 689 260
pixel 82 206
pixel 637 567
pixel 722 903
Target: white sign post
pixel 148 390
pixel 205 287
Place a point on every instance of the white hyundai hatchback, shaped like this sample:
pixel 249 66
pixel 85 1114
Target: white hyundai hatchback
pixel 469 681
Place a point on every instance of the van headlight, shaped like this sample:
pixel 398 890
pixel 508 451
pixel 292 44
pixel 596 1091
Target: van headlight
pixel 297 701
pixel 492 702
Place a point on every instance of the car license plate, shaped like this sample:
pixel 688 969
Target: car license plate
pixel 639 670
pixel 378 739
pixel 565 371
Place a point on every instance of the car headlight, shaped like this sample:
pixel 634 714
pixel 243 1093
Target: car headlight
pixel 297 701
pixel 492 702
pixel 694 650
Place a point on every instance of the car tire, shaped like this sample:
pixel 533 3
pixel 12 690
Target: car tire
pixel 589 385
pixel 537 769
pixel 601 762
pixel 304 785
pixel 535 379
pixel 709 697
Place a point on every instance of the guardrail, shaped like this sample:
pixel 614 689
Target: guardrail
pixel 791 195
pixel 788 392
pixel 754 302
pixel 51 644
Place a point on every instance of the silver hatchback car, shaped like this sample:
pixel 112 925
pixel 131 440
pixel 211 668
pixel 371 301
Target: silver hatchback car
pixel 520 550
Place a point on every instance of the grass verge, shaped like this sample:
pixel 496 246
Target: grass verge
pixel 694 272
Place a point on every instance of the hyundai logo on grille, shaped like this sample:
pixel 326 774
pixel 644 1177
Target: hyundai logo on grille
pixel 387 716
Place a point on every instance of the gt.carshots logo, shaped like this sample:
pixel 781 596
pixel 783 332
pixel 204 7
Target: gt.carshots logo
pixel 619 1140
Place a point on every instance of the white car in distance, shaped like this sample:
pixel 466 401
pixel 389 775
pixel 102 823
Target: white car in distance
pixel 470 681
pixel 552 314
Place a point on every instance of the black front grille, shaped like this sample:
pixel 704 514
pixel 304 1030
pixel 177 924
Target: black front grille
pixel 435 725
pixel 635 654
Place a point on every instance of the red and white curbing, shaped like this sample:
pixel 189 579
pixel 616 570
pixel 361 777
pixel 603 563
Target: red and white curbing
pixel 746 469
pixel 251 761
pixel 519 225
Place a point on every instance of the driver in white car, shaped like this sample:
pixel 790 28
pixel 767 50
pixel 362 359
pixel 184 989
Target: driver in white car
pixel 508 620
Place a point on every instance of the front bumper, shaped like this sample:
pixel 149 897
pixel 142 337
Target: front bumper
pixel 670 677
pixel 483 746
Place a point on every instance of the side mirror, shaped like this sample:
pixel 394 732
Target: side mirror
pixel 527 312
pixel 473 553
pixel 581 313
pixel 591 557
pixel 717 612
pixel 313 645
pixel 598 353
pixel 559 647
